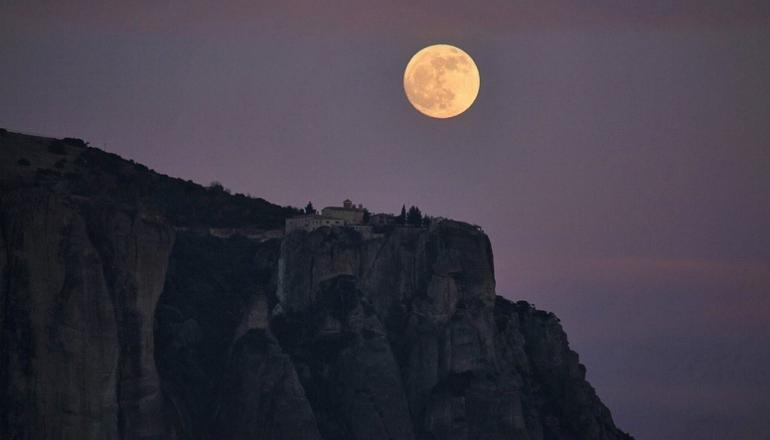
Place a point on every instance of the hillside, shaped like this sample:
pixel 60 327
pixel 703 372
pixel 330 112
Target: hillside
pixel 71 166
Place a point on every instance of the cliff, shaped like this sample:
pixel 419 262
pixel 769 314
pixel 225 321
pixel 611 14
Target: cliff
pixel 79 287
pixel 124 315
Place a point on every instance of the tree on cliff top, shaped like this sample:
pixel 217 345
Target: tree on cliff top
pixel 414 216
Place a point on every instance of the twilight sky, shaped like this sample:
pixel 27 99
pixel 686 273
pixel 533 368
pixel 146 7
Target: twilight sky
pixel 618 154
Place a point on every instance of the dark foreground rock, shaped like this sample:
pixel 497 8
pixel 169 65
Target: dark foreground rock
pixel 127 313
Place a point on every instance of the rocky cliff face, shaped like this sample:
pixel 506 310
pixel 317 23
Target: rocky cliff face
pixel 123 317
pixel 399 334
pixel 79 287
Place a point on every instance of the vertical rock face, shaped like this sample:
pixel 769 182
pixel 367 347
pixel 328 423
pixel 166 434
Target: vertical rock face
pixel 455 362
pixel 215 293
pixel 431 292
pixel 558 402
pixel 79 286
pixel 262 397
pixel 134 258
pixel 345 363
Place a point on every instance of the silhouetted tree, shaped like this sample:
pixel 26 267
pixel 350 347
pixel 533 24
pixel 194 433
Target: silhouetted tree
pixel 425 221
pixel 216 186
pixel 367 216
pixel 401 219
pixel 414 216
pixel 309 209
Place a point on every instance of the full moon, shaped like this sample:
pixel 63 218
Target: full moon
pixel 441 81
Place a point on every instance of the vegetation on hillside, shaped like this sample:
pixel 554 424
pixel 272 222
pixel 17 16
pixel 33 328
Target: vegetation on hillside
pixel 82 170
pixel 182 202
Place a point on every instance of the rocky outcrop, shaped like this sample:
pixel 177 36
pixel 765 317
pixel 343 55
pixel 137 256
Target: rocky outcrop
pixel 80 283
pixel 431 290
pixel 557 401
pixel 215 292
pixel 345 363
pixel 126 313
pixel 472 365
pixel 262 397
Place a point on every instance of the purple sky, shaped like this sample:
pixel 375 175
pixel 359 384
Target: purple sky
pixel 618 154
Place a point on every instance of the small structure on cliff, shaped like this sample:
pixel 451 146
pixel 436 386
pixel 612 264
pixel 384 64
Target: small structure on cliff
pixel 311 222
pixel 346 215
pixel 348 212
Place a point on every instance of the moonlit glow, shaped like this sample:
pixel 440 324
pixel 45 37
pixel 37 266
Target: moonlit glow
pixel 441 81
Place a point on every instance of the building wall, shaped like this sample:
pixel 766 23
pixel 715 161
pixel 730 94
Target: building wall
pixel 311 222
pixel 353 216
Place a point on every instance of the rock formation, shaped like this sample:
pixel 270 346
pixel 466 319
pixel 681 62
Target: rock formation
pixel 79 287
pixel 123 316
